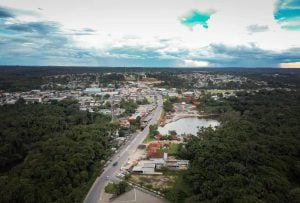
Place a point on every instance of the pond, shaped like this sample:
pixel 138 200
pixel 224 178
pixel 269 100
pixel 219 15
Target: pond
pixel 188 125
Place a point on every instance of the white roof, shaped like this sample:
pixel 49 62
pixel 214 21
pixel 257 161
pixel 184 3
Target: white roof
pixel 137 168
pixel 149 165
pixel 148 169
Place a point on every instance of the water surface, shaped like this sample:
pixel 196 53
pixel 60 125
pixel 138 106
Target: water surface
pixel 188 125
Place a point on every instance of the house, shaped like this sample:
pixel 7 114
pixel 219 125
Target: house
pixel 188 94
pixel 150 166
pixel 92 90
pixel 105 111
pixel 134 117
pixel 173 94
pixel 145 167
pixel 177 164
pixel 159 162
pixel 31 100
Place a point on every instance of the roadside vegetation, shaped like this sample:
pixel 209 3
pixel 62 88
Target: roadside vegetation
pixel 148 139
pixel 117 188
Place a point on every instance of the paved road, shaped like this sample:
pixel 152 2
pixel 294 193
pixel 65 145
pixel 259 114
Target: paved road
pixel 94 195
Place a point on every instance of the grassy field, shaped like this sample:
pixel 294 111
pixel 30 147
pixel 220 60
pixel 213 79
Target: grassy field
pixel 148 139
pixel 172 149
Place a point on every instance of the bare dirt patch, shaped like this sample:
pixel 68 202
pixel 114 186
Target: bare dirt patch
pixel 156 182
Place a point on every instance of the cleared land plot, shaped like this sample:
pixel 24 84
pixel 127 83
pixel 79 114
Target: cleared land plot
pixel 156 182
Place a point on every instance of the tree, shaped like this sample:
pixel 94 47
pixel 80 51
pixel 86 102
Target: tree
pixel 50 152
pixel 153 131
pixel 252 157
pixel 168 106
pixel 121 187
pixel 106 96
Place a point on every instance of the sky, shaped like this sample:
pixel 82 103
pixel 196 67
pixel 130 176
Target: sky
pixel 156 33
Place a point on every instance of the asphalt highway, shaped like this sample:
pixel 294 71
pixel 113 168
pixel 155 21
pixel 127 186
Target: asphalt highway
pixel 110 172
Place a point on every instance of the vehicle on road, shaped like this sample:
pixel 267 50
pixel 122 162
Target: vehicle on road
pixel 116 163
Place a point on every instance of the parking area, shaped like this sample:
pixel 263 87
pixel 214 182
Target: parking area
pixel 136 195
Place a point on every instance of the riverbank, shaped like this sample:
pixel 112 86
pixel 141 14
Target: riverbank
pixel 177 116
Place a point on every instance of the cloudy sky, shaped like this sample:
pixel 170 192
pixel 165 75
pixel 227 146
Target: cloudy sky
pixel 156 33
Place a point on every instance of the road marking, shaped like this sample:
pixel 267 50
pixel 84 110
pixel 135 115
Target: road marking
pixel 134 194
pixel 101 194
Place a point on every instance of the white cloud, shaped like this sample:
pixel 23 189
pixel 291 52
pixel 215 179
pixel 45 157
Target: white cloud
pixel 194 63
pixel 143 23
pixel 149 20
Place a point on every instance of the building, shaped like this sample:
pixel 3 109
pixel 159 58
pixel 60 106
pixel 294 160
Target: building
pixel 134 117
pixel 173 94
pixel 146 167
pixel 177 164
pixel 105 111
pixel 31 100
pixel 92 90
pixel 188 94
pixel 150 166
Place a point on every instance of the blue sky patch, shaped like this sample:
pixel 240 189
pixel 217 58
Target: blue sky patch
pixel 292 27
pixel 287 13
pixel 196 17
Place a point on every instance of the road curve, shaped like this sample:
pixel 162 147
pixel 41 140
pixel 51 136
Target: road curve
pixel 94 195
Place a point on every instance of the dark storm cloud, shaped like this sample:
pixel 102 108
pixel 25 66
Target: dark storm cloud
pixel 249 56
pixel 5 13
pixel 38 43
pixel 34 27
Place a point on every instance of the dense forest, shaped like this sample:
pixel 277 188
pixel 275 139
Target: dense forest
pixel 50 153
pixel 27 78
pixel 253 157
